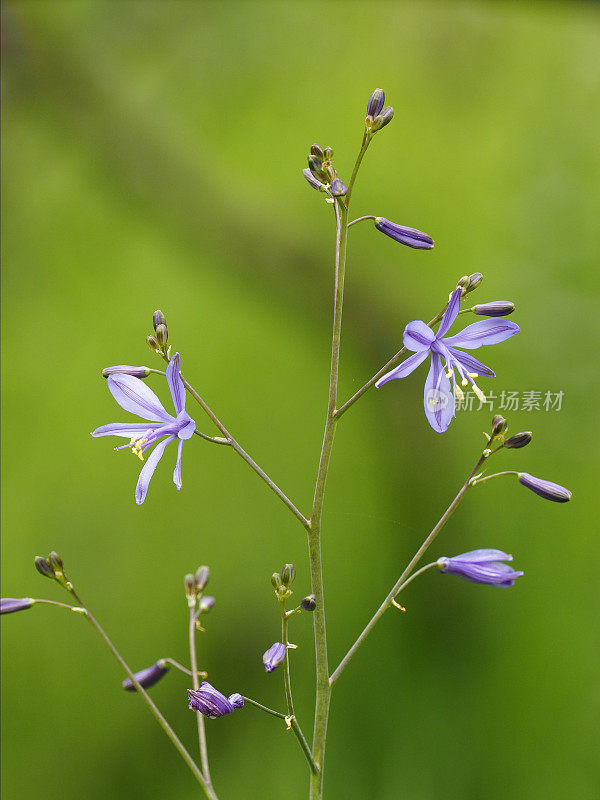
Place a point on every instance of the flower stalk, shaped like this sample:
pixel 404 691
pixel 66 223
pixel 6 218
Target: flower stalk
pixel 196 684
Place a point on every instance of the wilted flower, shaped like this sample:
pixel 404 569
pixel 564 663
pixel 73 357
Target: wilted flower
pixel 8 605
pixel 408 236
pixel 481 566
pixel 309 603
pixel 212 703
pixel 545 489
pixel 439 397
pixel 147 677
pixel 133 395
pixel 274 657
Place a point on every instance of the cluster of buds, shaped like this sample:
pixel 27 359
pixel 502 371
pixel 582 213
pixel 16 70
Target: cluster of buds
pixel 281 582
pixel 194 592
pixel 159 341
pixel 377 116
pixel 499 431
pixel 497 308
pixel 321 173
pixel 52 567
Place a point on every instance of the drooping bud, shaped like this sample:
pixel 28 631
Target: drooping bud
pixel 162 335
pixel 545 489
pixel 411 237
pixel 474 281
pixel 152 343
pixel 499 425
pixel 309 603
pixel 210 702
pixel 276 580
pixel 316 184
pixel 8 605
pixel 288 574
pixel 518 440
pixel 375 104
pixel 383 119
pixel 158 318
pixel 147 677
pixel 499 308
pixel 317 150
pixel 481 566
pixel 274 656
pixel 125 369
pixel 201 578
pixel 337 188
pixel 44 567
pixel 206 603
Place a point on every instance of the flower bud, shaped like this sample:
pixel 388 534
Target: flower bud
pixel 518 440
pixel 375 104
pixel 464 281
pixel 8 605
pixel 158 318
pixel 206 603
pixel 545 489
pixel 337 188
pixel 125 369
pixel 499 425
pixel 147 677
pixel 288 574
pixel 152 343
pixel 317 150
pixel 499 308
pixel 316 167
pixel 56 561
pixel 474 281
pixel 383 119
pixel 201 578
pixel 312 180
pixel 328 153
pixel 274 656
pixel 276 580
pixel 44 567
pixel 162 335
pixel 309 603
pixel 411 237
pixel 189 582
pixel 481 566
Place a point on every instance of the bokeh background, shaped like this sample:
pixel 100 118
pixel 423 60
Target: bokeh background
pixel 152 155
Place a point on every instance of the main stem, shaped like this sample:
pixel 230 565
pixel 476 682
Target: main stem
pixel 196 682
pixel 323 691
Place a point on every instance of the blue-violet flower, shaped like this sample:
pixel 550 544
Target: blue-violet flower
pixel 545 489
pixel 439 395
pixel 210 702
pixel 8 605
pixel 481 566
pixel 134 395
pixel 274 657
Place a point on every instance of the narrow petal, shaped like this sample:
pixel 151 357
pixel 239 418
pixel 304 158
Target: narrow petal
pixel 127 429
pixel 471 364
pixel 175 383
pixel 405 368
pixel 148 470
pixel 438 397
pixel 418 336
pixel 487 331
pixel 483 555
pixel 134 395
pixel 450 313
pixel 177 470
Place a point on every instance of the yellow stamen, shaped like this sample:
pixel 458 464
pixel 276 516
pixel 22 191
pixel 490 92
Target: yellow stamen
pixel 464 381
pixel 473 374
pixel 460 395
pixel 137 447
pixel 479 393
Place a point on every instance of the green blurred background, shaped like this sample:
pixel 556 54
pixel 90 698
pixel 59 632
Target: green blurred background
pixel 152 156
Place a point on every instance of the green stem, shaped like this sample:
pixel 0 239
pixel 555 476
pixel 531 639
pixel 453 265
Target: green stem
pixel 361 219
pixel 363 149
pixel 196 682
pixel 402 580
pixel 181 668
pixel 477 481
pixel 286 661
pixel 264 708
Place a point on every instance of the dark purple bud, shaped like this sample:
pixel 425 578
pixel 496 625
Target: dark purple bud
pixel 499 424
pixel 518 440
pixel 375 103
pixel 481 566
pixel 8 605
pixel 499 308
pixel 44 567
pixel 337 188
pixel 162 335
pixel 383 119
pixel 316 167
pixel 158 318
pixel 126 369
pixel 312 180
pixel 309 603
pixel 474 281
pixel 274 657
pixel 206 603
pixel 400 233
pixel 201 578
pixel 147 677
pixel 317 150
pixel 210 702
pixel 545 489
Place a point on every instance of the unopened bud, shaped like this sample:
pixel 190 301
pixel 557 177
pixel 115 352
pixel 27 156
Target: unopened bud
pixel 56 561
pixel 205 604
pixel 162 334
pixel 152 343
pixel 383 119
pixel 328 153
pixel 316 184
pixel 518 440
pixel 317 150
pixel 189 582
pixel 44 567
pixel 464 281
pixel 201 578
pixel 545 489
pixel 309 603
pixel 474 281
pixel 147 677
pixel 158 318
pixel 499 308
pixel 337 188
pixel 375 104
pixel 276 580
pixel 315 165
pixel 499 425
pixel 288 574
pixel 126 369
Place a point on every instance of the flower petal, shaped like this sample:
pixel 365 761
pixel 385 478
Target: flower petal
pixel 488 331
pixel 471 364
pixel 417 336
pixel 187 425
pixel 450 313
pixel 177 470
pixel 127 429
pixel 148 470
pixel 134 395
pixel 405 368
pixel 175 383
pixel 485 554
pixel 438 397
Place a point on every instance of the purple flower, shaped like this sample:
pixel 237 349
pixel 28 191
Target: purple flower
pixel 274 657
pixel 481 566
pixel 133 395
pixel 147 677
pixel 545 489
pixel 212 703
pixel 126 369
pixel 8 605
pixel 408 236
pixel 440 394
